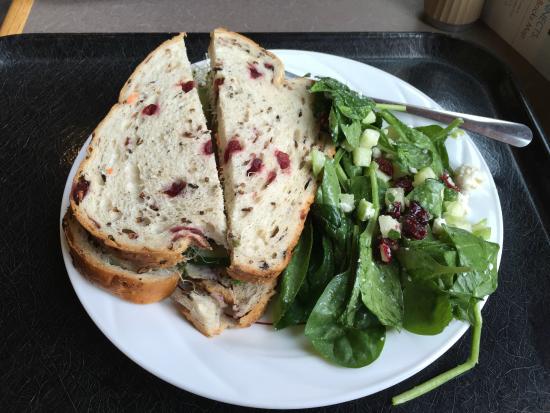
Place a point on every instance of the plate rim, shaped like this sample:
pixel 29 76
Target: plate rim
pixel 332 400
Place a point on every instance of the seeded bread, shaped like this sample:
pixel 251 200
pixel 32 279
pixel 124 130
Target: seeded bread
pixel 149 186
pixel 212 301
pixel 265 131
pixel 120 277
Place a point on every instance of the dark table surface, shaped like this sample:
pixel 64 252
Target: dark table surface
pixel 55 88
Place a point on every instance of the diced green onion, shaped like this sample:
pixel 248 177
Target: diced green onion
pixel 365 210
pixel 370 118
pixel 347 202
pixel 369 138
pixel 317 161
pixel 362 156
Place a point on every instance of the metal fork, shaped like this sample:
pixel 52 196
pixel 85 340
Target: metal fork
pixel 512 133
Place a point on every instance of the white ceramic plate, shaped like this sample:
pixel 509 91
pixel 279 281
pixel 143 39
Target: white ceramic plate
pixel 258 366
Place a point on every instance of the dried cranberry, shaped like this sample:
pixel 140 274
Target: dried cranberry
pixel 254 74
pixel 175 189
pixel 80 189
pixel 150 109
pixel 283 159
pixel 394 210
pixel 208 149
pixel 187 86
pixel 404 182
pixel 418 213
pixel 269 66
pixel 255 166
pixel 270 177
pixel 413 229
pixel 385 165
pixel 232 146
pixel 448 181
pixel 385 251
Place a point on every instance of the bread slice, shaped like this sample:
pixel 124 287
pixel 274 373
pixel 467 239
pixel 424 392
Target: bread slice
pixel 266 129
pixel 212 301
pixel 120 277
pixel 149 185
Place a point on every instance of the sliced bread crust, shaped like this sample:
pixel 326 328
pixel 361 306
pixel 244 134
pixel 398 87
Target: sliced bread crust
pixel 121 278
pixel 212 301
pixel 266 129
pixel 149 186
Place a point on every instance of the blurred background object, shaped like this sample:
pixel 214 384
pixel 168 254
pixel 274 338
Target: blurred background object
pixel 452 15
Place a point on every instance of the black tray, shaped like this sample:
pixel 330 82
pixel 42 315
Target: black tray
pixel 54 89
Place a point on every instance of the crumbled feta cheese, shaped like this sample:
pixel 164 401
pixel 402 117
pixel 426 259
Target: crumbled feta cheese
pixel 468 178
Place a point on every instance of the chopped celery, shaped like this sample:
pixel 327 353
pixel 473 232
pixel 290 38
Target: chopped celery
pixel 369 138
pixel 422 175
pixel 362 156
pixel 370 118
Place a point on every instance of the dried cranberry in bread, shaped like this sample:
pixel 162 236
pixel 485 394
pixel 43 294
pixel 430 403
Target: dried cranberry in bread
pixel 265 131
pixel 119 277
pixel 149 185
pixel 212 301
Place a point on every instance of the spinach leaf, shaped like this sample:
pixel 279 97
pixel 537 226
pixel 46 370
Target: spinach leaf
pixel 319 274
pixel 410 138
pixel 330 186
pixel 348 102
pixel 381 289
pixel 429 195
pixel 480 256
pixel 421 265
pixel 411 156
pixel 293 277
pixel 427 310
pixel 355 346
pixel 334 124
pixel 352 132
pixel 337 226
pixel 449 195
pixel 360 188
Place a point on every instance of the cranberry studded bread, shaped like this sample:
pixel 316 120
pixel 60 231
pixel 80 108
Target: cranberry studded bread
pixel 120 277
pixel 265 131
pixel 212 301
pixel 149 185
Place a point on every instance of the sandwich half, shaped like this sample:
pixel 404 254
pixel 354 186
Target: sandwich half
pixel 266 129
pixel 149 186
pixel 212 301
pixel 120 277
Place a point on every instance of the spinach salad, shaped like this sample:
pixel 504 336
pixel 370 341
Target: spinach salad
pixel 387 244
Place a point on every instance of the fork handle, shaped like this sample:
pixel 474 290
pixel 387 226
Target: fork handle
pixel 512 133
